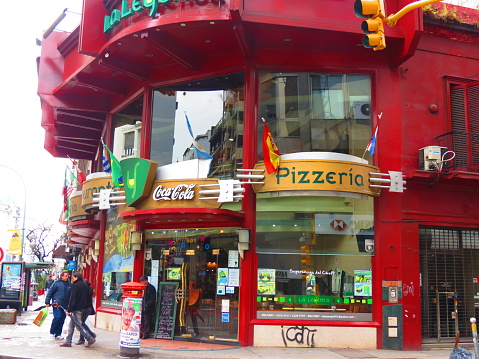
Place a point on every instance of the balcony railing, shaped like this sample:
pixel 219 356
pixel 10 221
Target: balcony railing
pixel 466 148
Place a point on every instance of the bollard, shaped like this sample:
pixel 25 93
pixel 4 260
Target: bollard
pixel 474 336
pixel 131 318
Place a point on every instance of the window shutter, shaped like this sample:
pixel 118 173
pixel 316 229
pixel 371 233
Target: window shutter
pixel 458 118
pixel 472 96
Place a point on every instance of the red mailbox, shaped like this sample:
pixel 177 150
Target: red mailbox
pixel 131 318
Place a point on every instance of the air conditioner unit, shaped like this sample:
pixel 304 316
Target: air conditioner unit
pixel 430 157
pixel 362 110
pixel 127 141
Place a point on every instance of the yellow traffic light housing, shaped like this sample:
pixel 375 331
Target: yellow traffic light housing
pixel 374 34
pixel 373 27
pixel 306 258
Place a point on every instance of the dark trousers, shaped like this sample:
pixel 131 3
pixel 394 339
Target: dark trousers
pixel 84 317
pixel 57 322
pixel 145 324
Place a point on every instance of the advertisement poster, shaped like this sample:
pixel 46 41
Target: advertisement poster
pixel 363 283
pixel 266 281
pixel 130 323
pixel 11 285
pixel 173 273
pixel 222 276
pixel 118 256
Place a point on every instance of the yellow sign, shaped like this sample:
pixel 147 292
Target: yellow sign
pixel 94 185
pixel 76 208
pixel 319 175
pixel 15 246
pixel 181 193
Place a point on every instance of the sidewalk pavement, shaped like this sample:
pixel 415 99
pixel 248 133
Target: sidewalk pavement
pixel 26 340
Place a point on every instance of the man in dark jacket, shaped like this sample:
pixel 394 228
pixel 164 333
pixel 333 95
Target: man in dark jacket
pixel 80 301
pixel 148 307
pixel 59 293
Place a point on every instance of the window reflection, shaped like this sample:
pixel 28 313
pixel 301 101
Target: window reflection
pixel 215 112
pixel 316 112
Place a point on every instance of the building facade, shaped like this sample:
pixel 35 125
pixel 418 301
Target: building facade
pixel 316 253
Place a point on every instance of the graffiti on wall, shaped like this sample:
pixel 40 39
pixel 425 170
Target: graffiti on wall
pixel 298 334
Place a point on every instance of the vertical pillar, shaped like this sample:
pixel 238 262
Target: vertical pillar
pixel 249 264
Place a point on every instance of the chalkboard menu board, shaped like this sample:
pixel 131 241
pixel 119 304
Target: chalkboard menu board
pixel 165 322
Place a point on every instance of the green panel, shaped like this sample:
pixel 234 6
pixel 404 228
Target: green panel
pixel 307 299
pixel 393 343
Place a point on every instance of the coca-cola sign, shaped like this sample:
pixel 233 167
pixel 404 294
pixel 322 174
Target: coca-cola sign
pixel 181 191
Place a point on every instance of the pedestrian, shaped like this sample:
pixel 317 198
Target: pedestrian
pixel 48 283
pixel 86 313
pixel 59 293
pixel 148 307
pixel 77 305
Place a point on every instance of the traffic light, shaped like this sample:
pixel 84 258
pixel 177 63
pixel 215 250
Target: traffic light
pixel 306 258
pixel 373 26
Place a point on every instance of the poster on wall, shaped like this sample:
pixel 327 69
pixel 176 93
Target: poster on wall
pixel 266 281
pixel 11 284
pixel 130 323
pixel 363 283
pixel 118 256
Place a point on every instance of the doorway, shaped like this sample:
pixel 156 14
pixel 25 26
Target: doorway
pixel 205 266
pixel 449 275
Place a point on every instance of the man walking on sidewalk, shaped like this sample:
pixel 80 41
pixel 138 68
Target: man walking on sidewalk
pixel 59 293
pixel 80 302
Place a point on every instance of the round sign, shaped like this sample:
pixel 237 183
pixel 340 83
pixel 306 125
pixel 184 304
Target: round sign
pixel 1 254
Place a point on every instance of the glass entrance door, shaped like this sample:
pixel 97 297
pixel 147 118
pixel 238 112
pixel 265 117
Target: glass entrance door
pixel 205 265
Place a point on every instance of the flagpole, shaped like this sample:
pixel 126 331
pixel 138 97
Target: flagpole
pixel 374 133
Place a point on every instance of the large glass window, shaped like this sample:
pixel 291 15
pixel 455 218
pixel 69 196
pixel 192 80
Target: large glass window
pixel 316 112
pixel 127 130
pixel 314 258
pixel 214 108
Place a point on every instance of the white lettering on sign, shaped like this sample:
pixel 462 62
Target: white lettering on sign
pixel 182 191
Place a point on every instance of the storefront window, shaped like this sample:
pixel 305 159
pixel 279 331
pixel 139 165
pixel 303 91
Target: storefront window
pixel 127 130
pixel 314 260
pixel 316 112
pixel 204 266
pixel 214 108
pixel 118 259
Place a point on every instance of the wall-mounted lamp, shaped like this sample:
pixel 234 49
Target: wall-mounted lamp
pixel 243 241
pixel 136 238
pixel 96 247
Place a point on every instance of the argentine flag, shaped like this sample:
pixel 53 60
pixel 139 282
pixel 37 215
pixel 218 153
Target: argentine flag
pixel 200 152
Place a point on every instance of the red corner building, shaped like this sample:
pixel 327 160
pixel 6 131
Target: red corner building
pixel 364 235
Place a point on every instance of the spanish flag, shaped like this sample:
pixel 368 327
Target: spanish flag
pixel 270 151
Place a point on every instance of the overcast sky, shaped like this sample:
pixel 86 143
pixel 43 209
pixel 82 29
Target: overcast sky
pixel 21 136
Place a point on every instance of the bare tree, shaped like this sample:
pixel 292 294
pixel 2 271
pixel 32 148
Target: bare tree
pixel 41 244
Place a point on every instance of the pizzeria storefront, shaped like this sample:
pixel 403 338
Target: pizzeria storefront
pixel 244 256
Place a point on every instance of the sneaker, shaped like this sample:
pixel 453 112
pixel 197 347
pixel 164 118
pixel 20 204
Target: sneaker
pixel 59 337
pixel 80 342
pixel 90 343
pixel 65 345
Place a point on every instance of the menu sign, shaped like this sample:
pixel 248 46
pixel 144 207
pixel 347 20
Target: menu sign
pixel 165 327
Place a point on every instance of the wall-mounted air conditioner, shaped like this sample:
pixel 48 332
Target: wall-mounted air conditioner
pixel 430 157
pixel 362 110
pixel 127 141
